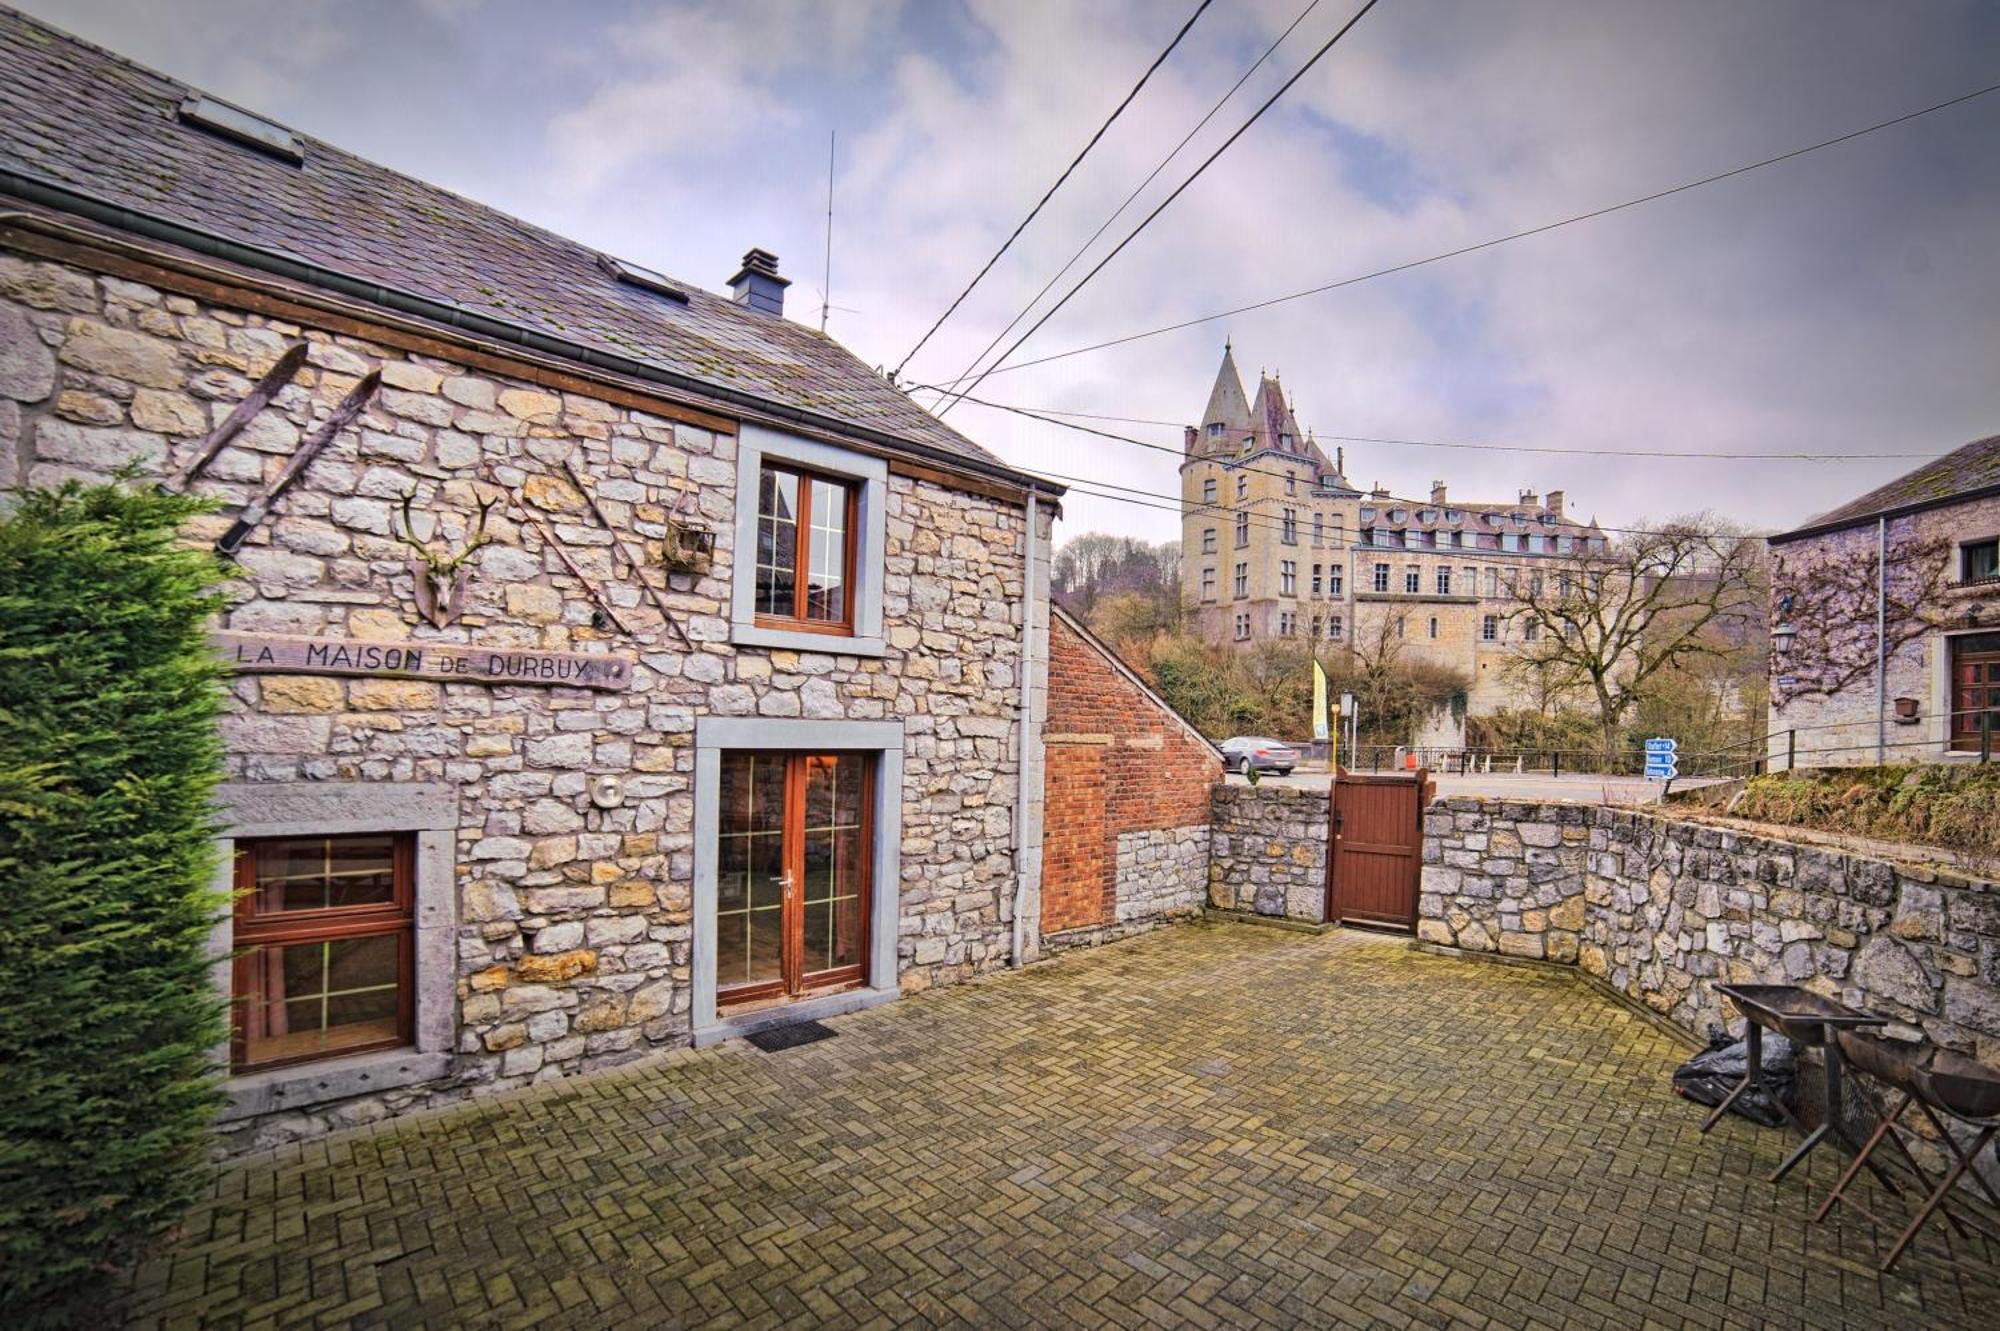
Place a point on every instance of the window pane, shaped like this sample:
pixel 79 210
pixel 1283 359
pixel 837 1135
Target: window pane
pixel 835 798
pixel 826 578
pixel 749 914
pixel 309 999
pixel 323 873
pixel 777 542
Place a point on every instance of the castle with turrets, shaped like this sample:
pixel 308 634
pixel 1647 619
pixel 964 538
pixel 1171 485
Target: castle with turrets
pixel 1277 543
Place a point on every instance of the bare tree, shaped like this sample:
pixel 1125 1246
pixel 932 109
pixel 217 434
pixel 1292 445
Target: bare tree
pixel 1607 623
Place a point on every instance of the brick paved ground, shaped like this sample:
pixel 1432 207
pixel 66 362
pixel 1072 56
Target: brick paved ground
pixel 1208 1126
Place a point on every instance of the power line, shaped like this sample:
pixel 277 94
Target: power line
pixel 1046 414
pixel 1167 202
pixel 1032 212
pixel 999 368
pixel 1139 189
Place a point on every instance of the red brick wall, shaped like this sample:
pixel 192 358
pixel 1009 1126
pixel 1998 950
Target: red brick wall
pixel 1117 762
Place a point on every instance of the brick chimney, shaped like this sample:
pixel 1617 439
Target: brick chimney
pixel 1437 494
pixel 1554 503
pixel 758 285
pixel 1529 499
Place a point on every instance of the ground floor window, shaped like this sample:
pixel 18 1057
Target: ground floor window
pixel 792 872
pixel 326 928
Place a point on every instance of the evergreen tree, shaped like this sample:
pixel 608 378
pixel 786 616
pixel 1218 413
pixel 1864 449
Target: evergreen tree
pixel 109 754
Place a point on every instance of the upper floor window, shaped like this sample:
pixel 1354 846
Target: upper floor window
pixel 1492 582
pixel 805 549
pixel 1443 583
pixel 1531 630
pixel 1242 488
pixel 1288 577
pixel 1285 621
pixel 1208 540
pixel 1208 584
pixel 811 534
pixel 1979 560
pixel 1319 529
pixel 1489 629
pixel 1242 530
pixel 1333 626
pixel 1291 478
pixel 1208 491
pixel 1215 430
pixel 1368 536
pixel 1413 580
pixel 1335 575
pixel 1242 581
pixel 1381 577
pixel 1288 525
pixel 1316 580
pixel 325 928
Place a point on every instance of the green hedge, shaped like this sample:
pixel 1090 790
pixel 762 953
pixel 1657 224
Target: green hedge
pixel 109 755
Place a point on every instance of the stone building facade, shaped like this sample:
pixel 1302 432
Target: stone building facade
pixel 1662 909
pixel 1932 539
pixel 1127 781
pixel 611 800
pixel 1277 543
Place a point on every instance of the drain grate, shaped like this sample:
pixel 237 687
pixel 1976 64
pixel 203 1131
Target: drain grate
pixel 775 1038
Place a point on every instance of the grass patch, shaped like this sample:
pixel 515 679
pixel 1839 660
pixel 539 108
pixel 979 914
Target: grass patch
pixel 1952 806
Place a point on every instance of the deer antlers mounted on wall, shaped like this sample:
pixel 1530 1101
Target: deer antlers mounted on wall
pixel 441 578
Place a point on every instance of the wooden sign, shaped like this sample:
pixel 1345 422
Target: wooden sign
pixel 274 654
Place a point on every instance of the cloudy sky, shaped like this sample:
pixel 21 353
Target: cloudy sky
pixel 1847 301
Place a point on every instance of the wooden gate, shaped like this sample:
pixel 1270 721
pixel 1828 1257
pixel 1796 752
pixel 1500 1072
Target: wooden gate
pixel 1376 848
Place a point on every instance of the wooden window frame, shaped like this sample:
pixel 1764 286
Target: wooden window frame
pixel 794 981
pixel 797 621
pixel 251 931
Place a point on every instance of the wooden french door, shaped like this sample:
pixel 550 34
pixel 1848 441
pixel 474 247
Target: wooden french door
pixel 1975 687
pixel 792 870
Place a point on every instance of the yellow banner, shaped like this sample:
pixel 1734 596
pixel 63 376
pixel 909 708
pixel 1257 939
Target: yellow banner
pixel 1320 728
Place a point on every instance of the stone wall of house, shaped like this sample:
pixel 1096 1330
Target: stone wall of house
pixel 573 922
pixel 1841 730
pixel 1664 908
pixel 1125 843
pixel 1267 851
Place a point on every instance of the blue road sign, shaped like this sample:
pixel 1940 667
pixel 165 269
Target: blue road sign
pixel 1661 746
pixel 1662 771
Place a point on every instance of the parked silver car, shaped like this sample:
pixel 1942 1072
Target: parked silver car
pixel 1243 752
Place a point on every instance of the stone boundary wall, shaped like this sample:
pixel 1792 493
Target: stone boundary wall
pixel 1267 851
pixel 1162 874
pixel 1662 909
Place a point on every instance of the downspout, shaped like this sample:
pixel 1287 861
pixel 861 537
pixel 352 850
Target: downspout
pixel 1026 720
pixel 1881 639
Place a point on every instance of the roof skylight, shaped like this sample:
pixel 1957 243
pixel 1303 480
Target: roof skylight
pixel 633 275
pixel 233 122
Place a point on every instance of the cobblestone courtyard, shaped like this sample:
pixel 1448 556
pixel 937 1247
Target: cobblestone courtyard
pixel 1209 1126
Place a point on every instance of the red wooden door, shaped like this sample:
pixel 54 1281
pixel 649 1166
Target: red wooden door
pixel 1377 848
pixel 1975 687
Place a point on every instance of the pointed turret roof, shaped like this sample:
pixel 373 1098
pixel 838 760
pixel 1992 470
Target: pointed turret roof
pixel 1227 406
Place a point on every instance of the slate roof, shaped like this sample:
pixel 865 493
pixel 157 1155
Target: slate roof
pixel 77 116
pixel 1972 469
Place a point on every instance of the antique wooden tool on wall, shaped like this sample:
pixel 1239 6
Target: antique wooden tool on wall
pixel 259 507
pixel 619 544
pixel 597 594
pixel 259 397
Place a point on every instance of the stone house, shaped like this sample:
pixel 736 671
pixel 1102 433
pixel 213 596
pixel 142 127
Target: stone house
pixel 1886 620
pixel 730 713
pixel 1277 543
pixel 1127 783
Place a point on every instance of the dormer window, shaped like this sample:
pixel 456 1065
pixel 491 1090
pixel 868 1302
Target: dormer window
pixel 1548 519
pixel 1399 515
pixel 1368 513
pixel 1427 515
pixel 1453 515
pixel 1215 430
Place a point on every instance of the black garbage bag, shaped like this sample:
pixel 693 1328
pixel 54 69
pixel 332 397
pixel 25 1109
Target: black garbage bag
pixel 1709 1076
